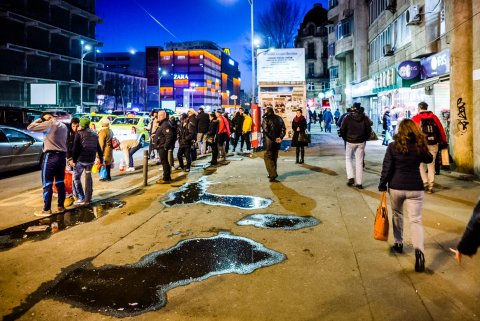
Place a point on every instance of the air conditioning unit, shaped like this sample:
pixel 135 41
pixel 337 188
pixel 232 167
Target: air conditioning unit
pixel 388 50
pixel 347 13
pixel 392 5
pixel 413 15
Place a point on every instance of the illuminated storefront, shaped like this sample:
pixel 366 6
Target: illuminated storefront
pixel 194 78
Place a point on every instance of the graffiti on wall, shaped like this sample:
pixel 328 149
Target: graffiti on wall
pixel 462 121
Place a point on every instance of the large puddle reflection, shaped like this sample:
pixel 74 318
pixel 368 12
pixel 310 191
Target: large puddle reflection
pixel 275 221
pixel 136 288
pixel 195 192
pixel 41 229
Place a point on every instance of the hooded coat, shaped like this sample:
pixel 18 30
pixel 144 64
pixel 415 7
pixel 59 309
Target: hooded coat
pixel 356 128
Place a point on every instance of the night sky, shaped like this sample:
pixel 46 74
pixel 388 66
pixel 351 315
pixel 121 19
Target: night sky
pixel 227 22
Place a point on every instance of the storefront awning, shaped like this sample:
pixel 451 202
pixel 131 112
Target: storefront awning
pixel 425 83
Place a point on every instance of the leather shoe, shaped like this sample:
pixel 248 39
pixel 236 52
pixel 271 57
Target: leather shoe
pixel 419 261
pixel 397 247
pixel 350 182
pixel 274 180
pixel 359 186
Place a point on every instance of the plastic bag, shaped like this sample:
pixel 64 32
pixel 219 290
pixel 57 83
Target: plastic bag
pixel 95 168
pixel 103 172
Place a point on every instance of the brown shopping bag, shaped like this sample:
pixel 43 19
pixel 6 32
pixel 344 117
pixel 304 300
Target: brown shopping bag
pixel 445 157
pixel 380 228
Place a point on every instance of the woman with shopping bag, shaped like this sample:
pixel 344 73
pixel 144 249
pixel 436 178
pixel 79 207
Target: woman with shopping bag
pixel 401 175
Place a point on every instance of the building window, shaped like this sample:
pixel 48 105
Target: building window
pixel 397 34
pixel 311 51
pixel 334 72
pixel 344 28
pixel 331 49
pixel 311 70
pixel 311 86
pixel 375 9
pixel 332 4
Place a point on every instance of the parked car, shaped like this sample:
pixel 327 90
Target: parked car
pixel 143 113
pixel 123 112
pixel 18 149
pixel 20 117
pixel 60 115
pixel 96 118
pixel 130 127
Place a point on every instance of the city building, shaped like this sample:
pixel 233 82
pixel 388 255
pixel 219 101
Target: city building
pixel 192 75
pixel 121 81
pixel 48 42
pixel 422 50
pixel 313 36
pixel 129 63
pixel 347 48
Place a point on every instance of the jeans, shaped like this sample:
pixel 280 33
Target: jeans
pixel 214 147
pixel 184 151
pixel 414 202
pixel 165 165
pixel 77 180
pixel 222 140
pixel 246 138
pixel 202 142
pixel 355 152
pixel 270 158
pixel 130 154
pixel 53 168
pixel 429 177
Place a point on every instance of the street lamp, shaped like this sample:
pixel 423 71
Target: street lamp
pixel 253 52
pixel 192 90
pixel 219 99
pixel 228 98
pixel 86 49
pixel 160 76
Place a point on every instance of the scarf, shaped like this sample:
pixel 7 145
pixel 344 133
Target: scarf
pixel 298 119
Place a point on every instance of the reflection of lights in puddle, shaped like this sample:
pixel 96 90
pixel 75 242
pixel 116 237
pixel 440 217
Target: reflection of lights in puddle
pixel 136 288
pixel 195 192
pixel 274 221
pixel 42 228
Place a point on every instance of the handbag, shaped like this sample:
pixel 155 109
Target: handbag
pixel 373 135
pixel 381 227
pixel 304 137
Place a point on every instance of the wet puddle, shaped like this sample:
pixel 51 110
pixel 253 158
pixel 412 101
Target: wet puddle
pixel 274 221
pixel 41 229
pixel 195 192
pixel 140 287
pixel 235 158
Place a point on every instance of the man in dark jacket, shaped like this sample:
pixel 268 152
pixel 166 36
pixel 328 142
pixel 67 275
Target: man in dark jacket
pixel 164 141
pixel 85 149
pixel 203 124
pixel 186 136
pixel 355 130
pixel 237 125
pixel 273 132
pixel 470 241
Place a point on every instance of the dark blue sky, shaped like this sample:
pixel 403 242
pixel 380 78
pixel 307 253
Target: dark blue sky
pixel 227 22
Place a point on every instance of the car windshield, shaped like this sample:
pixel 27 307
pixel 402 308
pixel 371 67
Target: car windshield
pixel 95 119
pixel 126 121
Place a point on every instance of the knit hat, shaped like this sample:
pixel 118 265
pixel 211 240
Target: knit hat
pixel 104 122
pixel 84 122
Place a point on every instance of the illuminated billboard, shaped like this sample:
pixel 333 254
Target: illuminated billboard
pixel 279 65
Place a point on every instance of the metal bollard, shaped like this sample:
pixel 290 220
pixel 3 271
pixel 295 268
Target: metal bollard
pixel 145 168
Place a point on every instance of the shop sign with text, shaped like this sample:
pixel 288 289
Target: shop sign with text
pixel 408 69
pixel 436 65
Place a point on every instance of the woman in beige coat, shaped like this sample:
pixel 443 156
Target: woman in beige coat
pixel 105 136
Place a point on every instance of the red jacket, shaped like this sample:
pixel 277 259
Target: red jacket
pixel 223 126
pixel 428 114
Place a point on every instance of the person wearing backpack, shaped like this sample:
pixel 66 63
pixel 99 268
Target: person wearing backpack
pixel 435 135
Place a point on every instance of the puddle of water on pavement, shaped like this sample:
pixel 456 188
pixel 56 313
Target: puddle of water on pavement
pixel 275 221
pixel 140 287
pixel 195 192
pixel 41 229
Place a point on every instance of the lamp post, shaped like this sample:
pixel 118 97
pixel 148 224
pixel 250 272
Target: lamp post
pixel 253 52
pixel 219 99
pixel 160 76
pixel 86 49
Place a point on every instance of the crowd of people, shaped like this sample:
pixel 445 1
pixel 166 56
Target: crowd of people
pixel 407 170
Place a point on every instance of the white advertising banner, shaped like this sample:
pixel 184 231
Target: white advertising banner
pixel 279 65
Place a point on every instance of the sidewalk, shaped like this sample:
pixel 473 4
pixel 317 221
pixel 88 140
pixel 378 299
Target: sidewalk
pixel 333 271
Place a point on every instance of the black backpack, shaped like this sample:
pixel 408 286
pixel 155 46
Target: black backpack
pixel 430 130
